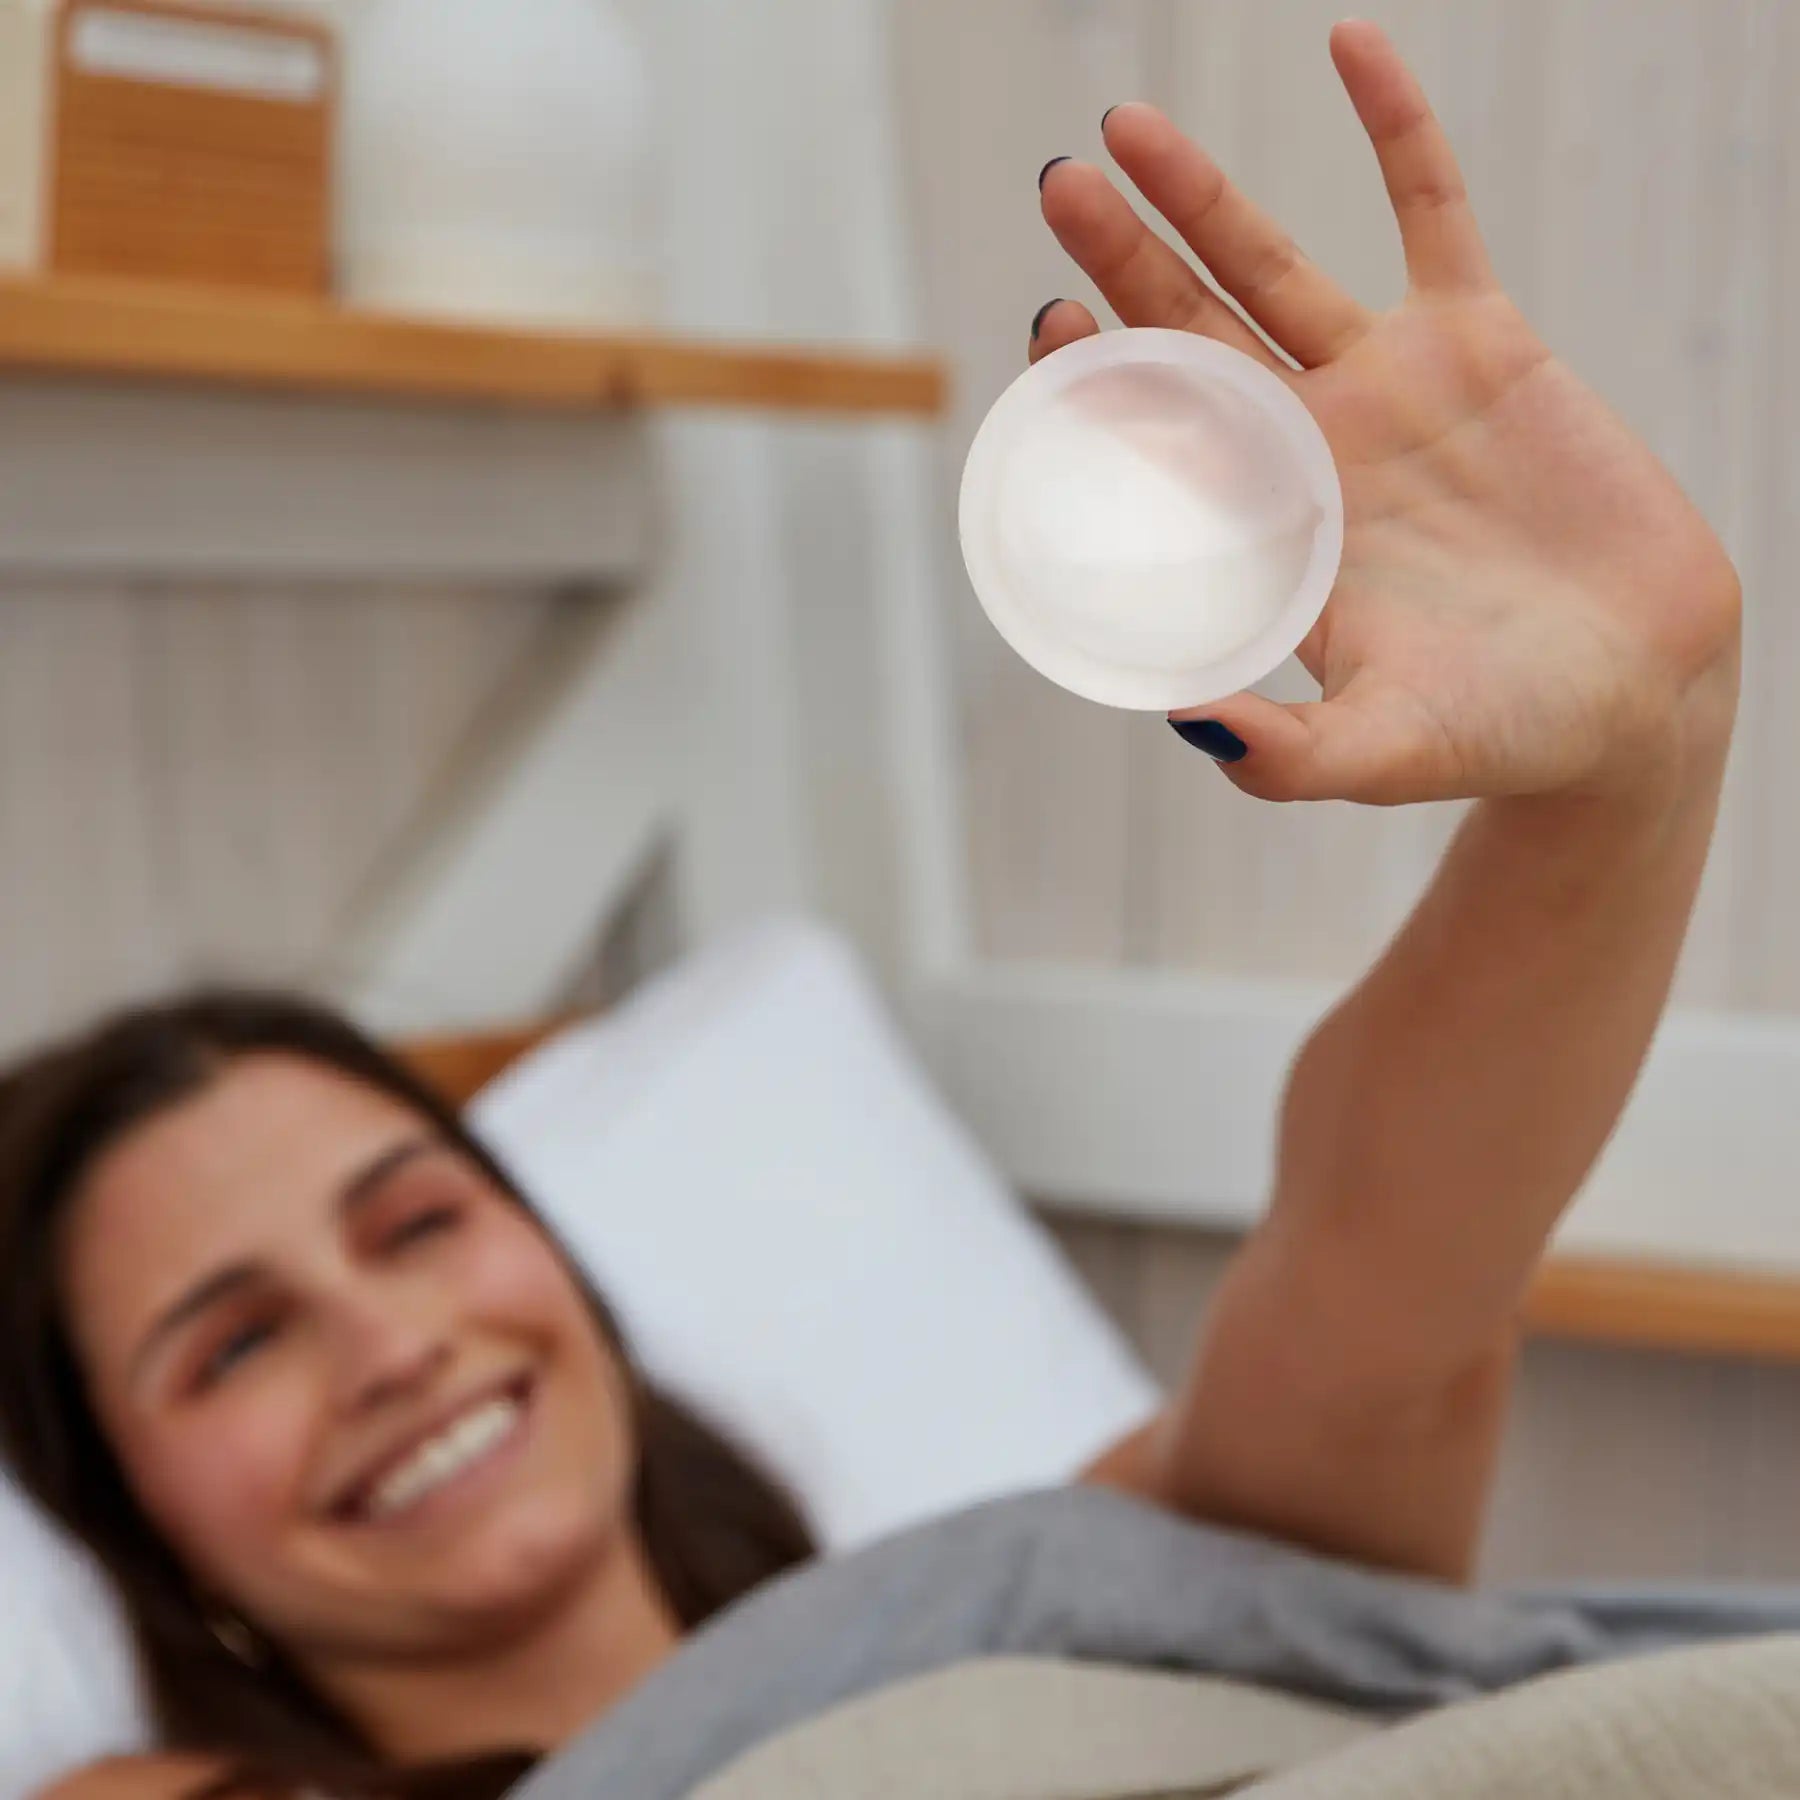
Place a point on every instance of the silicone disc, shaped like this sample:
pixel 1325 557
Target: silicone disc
pixel 1151 519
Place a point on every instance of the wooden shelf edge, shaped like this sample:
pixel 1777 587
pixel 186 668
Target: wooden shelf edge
pixel 1653 1306
pixel 51 327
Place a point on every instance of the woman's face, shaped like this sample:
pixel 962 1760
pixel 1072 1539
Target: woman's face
pixel 351 1383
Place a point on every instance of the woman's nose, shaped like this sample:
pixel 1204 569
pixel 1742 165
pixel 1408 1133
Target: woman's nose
pixel 388 1350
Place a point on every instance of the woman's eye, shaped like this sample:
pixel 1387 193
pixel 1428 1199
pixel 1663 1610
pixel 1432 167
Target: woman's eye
pixel 424 1224
pixel 240 1345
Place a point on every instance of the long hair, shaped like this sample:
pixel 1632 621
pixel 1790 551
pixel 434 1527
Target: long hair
pixel 713 1525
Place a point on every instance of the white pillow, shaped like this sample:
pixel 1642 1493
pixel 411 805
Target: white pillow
pixel 68 1681
pixel 800 1236
pixel 796 1233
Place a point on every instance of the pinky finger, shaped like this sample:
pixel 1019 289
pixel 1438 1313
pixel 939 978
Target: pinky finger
pixel 1060 322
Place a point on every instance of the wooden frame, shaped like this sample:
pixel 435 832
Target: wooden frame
pixel 461 1064
pixel 1651 1306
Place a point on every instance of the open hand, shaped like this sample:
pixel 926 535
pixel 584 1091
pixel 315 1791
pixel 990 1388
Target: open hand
pixel 1527 600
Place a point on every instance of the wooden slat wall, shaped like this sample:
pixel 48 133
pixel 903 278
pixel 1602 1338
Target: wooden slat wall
pixel 193 783
pixel 80 911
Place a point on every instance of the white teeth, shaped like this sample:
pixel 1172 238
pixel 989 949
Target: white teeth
pixel 466 1440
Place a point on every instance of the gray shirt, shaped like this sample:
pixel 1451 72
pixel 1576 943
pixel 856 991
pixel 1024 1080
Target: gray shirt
pixel 1094 1576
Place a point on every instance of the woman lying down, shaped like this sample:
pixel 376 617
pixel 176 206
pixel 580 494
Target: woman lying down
pixel 390 1507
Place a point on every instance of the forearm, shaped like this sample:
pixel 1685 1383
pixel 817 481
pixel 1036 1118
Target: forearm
pixel 1439 1121
pixel 1526 605
pixel 1351 1381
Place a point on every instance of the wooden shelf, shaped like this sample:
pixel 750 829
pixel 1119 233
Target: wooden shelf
pixel 1652 1306
pixel 53 327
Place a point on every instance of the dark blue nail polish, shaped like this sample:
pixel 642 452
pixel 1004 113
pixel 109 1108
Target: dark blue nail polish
pixel 1109 113
pixel 1037 318
pixel 1051 164
pixel 1212 737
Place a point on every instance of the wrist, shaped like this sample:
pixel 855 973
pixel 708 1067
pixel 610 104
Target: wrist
pixel 1622 836
pixel 1666 761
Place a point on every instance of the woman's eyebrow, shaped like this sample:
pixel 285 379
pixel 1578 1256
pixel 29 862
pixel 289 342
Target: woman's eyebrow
pixel 204 1293
pixel 222 1283
pixel 363 1184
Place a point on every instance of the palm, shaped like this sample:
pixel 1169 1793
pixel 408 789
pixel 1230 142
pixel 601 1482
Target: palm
pixel 1500 525
pixel 1525 593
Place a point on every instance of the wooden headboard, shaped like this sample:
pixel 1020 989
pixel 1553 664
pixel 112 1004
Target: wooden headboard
pixel 460 1066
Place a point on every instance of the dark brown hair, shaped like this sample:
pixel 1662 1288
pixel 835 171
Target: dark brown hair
pixel 713 1525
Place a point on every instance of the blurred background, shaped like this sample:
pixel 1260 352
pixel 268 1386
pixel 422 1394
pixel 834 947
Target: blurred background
pixel 205 768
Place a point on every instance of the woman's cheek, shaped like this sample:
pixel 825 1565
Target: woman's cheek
pixel 520 1291
pixel 224 1476
pixel 510 1275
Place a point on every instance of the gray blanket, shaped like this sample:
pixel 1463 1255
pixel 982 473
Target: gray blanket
pixel 1093 1576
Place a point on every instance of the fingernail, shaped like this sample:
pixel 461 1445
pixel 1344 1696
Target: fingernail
pixel 1045 170
pixel 1037 318
pixel 1212 737
pixel 1108 114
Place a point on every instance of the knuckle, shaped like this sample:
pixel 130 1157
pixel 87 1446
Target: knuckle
pixel 1275 265
pixel 1435 191
pixel 1128 259
pixel 1210 193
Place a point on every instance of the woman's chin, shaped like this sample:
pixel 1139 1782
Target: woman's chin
pixel 440 1593
pixel 535 1557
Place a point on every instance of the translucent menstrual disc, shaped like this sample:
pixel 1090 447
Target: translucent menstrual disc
pixel 1152 520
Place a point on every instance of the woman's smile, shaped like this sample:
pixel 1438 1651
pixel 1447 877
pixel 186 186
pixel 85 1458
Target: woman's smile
pixel 447 1465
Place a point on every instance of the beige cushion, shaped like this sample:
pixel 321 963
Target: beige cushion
pixel 1003 1728
pixel 1722 1721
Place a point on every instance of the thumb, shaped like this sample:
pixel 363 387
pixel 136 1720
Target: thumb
pixel 1354 746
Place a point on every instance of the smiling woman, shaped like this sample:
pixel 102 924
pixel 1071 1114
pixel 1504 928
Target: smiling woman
pixel 289 1350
